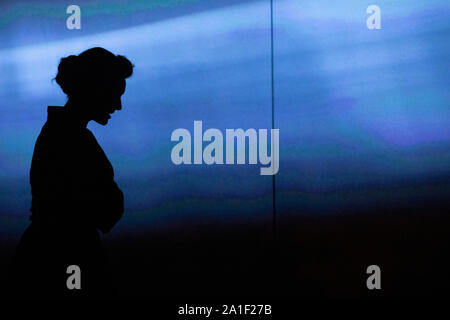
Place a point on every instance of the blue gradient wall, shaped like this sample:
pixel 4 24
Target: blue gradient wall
pixel 358 110
pixel 363 112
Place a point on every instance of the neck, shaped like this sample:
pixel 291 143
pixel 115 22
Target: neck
pixel 74 110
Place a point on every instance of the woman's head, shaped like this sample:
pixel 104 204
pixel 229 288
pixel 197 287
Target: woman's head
pixel 94 82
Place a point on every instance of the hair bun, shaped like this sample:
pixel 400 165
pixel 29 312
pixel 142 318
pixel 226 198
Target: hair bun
pixel 91 71
pixel 67 69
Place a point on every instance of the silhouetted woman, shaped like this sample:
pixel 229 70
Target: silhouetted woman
pixel 72 183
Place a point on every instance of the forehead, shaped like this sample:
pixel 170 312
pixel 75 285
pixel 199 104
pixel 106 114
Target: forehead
pixel 120 86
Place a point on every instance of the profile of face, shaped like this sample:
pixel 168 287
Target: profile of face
pixel 94 82
pixel 105 100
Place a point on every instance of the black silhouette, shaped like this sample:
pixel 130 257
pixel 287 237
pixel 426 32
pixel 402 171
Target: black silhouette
pixel 72 183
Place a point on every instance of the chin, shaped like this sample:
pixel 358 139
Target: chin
pixel 103 122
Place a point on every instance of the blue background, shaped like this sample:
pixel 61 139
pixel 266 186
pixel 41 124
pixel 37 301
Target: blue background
pixel 364 115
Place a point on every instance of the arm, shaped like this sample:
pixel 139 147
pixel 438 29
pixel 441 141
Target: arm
pixel 97 198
